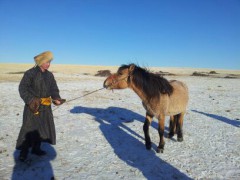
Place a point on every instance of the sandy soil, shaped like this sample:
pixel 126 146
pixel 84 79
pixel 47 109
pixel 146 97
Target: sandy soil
pixel 13 72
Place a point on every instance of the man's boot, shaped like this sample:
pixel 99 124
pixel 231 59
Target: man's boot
pixel 24 152
pixel 37 150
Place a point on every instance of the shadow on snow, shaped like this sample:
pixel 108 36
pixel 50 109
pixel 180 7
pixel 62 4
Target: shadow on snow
pixel 129 145
pixel 34 167
pixel 232 122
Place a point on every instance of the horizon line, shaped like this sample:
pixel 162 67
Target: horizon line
pixel 174 67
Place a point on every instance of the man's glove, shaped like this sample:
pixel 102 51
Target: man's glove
pixel 34 104
pixel 58 101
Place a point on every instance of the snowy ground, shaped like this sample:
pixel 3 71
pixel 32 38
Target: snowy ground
pixel 100 136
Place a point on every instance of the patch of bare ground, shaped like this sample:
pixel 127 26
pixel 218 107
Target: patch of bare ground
pixel 216 75
pixel 162 73
pixel 232 76
pixel 103 73
pixel 20 72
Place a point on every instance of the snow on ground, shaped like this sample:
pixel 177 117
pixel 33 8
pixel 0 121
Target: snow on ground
pixel 100 136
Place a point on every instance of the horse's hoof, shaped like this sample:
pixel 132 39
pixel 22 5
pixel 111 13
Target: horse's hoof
pixel 170 135
pixel 180 139
pixel 159 150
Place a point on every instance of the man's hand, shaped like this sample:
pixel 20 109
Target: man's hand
pixel 58 101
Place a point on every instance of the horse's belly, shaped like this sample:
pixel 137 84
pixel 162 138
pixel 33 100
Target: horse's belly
pixel 176 107
pixel 174 112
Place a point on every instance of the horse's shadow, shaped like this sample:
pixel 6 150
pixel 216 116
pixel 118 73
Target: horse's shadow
pixel 127 144
pixel 220 118
pixel 34 167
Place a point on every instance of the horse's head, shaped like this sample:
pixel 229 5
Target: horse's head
pixel 120 79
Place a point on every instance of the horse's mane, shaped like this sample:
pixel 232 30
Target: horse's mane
pixel 151 84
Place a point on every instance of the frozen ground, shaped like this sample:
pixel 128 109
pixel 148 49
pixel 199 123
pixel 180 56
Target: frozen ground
pixel 100 136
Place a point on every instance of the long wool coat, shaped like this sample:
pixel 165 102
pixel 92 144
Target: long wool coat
pixel 36 83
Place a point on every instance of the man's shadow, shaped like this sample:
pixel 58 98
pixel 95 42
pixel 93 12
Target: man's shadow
pixel 126 142
pixel 232 122
pixel 34 167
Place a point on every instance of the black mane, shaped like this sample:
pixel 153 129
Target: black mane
pixel 152 84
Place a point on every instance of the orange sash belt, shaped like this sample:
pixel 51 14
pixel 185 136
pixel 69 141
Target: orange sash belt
pixel 45 102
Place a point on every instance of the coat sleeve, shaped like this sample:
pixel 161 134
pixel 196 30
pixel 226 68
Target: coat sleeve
pixel 25 88
pixel 54 88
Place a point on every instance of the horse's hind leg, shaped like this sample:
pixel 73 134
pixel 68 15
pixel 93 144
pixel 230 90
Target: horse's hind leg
pixel 179 127
pixel 161 122
pixel 172 126
pixel 146 125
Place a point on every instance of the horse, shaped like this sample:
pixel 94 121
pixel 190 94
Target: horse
pixel 160 98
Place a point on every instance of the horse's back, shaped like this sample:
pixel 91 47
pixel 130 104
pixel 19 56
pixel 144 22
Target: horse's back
pixel 178 100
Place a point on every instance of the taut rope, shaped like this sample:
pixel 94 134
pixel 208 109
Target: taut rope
pixel 80 97
pixel 84 95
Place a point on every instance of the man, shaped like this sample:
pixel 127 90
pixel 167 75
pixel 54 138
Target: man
pixel 38 89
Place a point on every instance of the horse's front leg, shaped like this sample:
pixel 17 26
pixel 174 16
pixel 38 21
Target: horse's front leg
pixel 146 125
pixel 161 122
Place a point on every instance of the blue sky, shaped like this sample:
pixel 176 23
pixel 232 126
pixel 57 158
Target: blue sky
pixel 163 33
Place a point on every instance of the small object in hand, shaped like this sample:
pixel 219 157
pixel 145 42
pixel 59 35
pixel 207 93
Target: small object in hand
pixel 58 102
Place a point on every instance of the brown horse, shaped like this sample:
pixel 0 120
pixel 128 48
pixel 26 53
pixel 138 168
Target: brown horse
pixel 159 96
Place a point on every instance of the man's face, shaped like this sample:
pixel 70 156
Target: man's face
pixel 46 65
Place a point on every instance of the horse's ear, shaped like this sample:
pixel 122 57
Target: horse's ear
pixel 131 68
